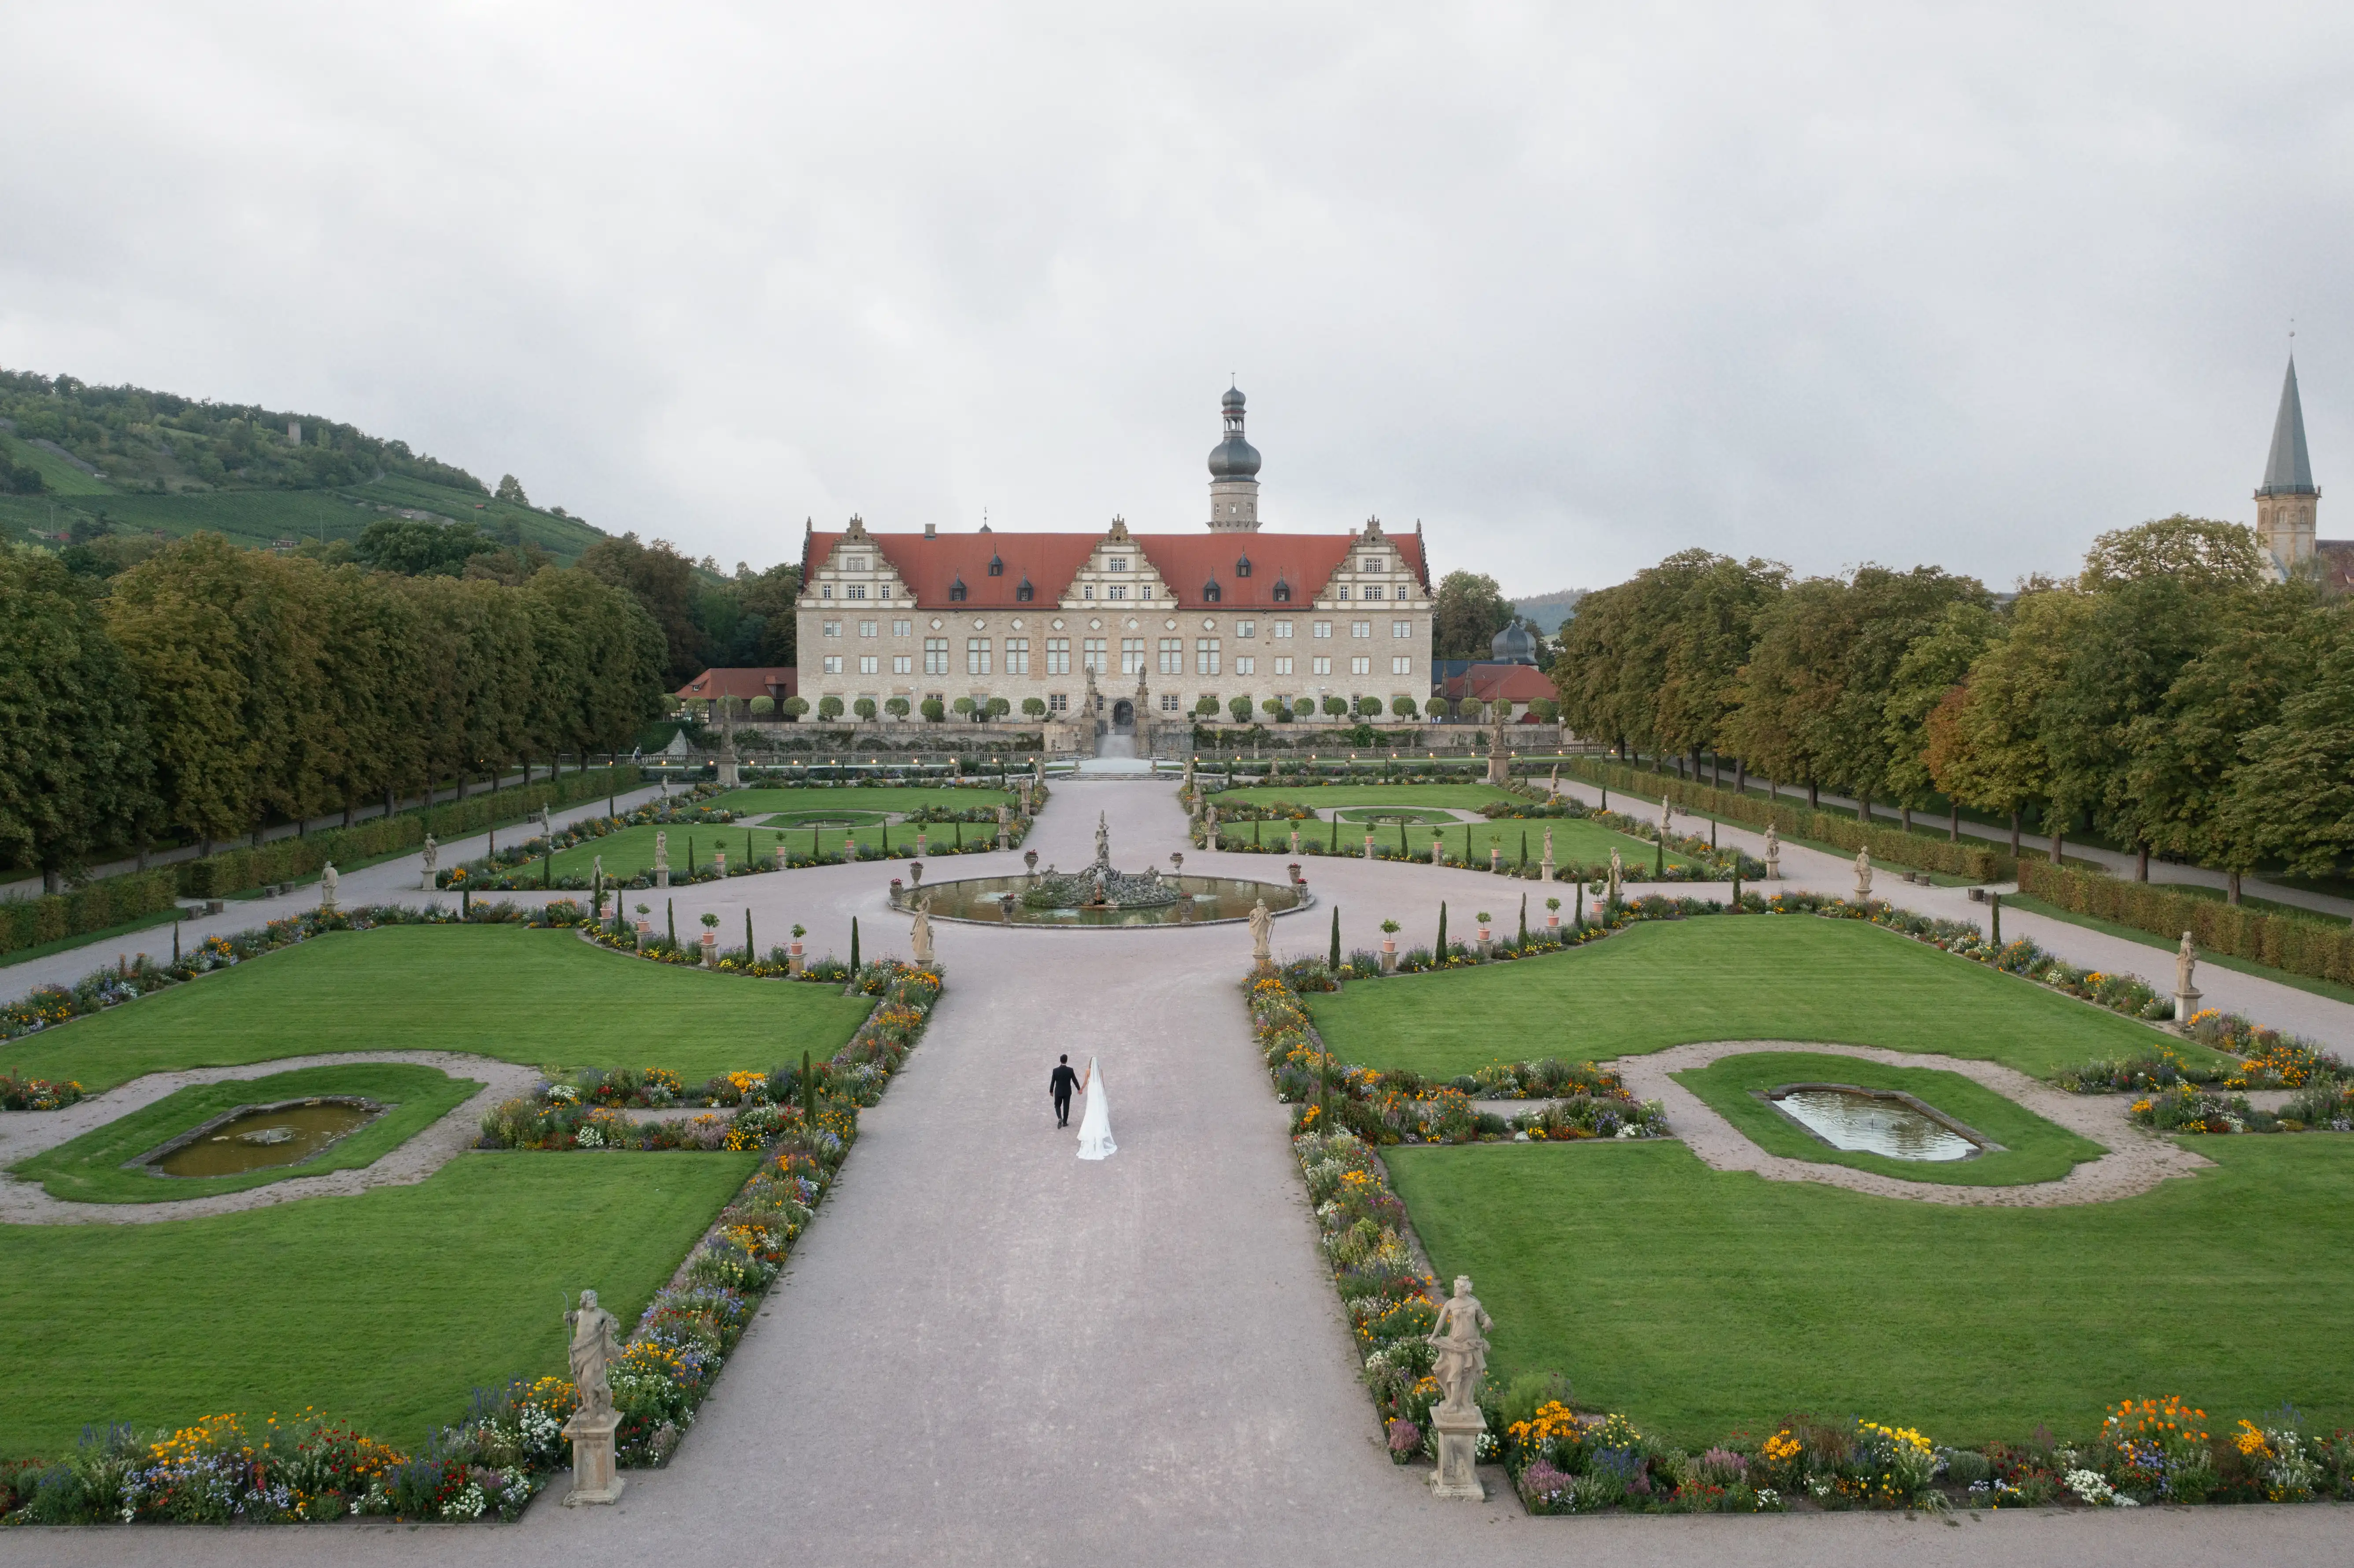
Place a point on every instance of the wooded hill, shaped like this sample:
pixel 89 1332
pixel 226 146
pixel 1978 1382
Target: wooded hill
pixel 78 460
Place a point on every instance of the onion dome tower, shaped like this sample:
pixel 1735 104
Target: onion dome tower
pixel 1233 474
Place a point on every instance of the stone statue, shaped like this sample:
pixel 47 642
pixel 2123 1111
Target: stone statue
pixel 1862 875
pixel 1773 854
pixel 920 938
pixel 1544 868
pixel 1259 922
pixel 1667 816
pixel 1462 1347
pixel 1103 839
pixel 661 849
pixel 2186 963
pixel 595 1346
pixel 432 859
pixel 327 881
pixel 597 870
pixel 1618 874
pixel 1461 1340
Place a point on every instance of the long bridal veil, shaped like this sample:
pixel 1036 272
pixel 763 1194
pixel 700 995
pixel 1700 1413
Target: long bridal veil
pixel 1095 1127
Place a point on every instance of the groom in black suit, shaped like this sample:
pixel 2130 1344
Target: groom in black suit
pixel 1060 1084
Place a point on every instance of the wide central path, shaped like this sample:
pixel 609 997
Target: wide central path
pixel 987 1350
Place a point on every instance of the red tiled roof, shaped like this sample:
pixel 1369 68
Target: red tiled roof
pixel 778 680
pixel 1187 562
pixel 1503 684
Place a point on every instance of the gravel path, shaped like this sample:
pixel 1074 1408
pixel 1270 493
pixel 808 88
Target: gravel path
pixel 2136 1160
pixel 24 1134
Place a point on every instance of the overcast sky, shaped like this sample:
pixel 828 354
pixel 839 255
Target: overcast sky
pixel 1573 286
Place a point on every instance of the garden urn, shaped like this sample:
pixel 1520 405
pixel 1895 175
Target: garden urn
pixel 719 862
pixel 897 891
pixel 1369 846
pixel 1294 869
pixel 920 849
pixel 1295 841
pixel 914 874
pixel 850 846
pixel 1030 862
pixel 645 927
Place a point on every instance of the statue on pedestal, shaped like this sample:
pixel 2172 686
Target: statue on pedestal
pixel 328 881
pixel 1773 854
pixel 1544 867
pixel 662 857
pixel 1618 874
pixel 2186 973
pixel 919 940
pixel 595 1346
pixel 1259 922
pixel 432 859
pixel 1462 1361
pixel 1862 875
pixel 1103 839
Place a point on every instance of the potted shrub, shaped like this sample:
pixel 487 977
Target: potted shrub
pixel 710 937
pixel 1483 918
pixel 1553 915
pixel 793 953
pixel 1389 946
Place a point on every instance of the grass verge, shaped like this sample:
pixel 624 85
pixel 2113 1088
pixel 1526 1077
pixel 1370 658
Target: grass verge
pixel 92 938
pixel 2033 1149
pixel 1705 1303
pixel 2028 904
pixel 384 1309
pixel 89 1169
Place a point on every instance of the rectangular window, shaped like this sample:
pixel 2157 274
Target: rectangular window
pixel 1245 665
pixel 825 591
pixel 1017 655
pixel 1131 655
pixel 858 591
pixel 1401 628
pixel 1091 653
pixel 1283 666
pixel 1173 655
pixel 1322 629
pixel 833 629
pixel 1058 704
pixel 903 663
pixel 1168 701
pixel 936 655
pixel 1115 563
pixel 1205 656
pixel 1373 564
pixel 1323 667
pixel 833 663
pixel 1344 591
pixel 1372 590
pixel 868 664
pixel 1246 629
pixel 1117 590
pixel 976 655
pixel 1059 655
pixel 1361 667
pixel 866 629
pixel 1088 591
pixel 1283 628
pixel 1402 665
pixel 903 629
pixel 1360 629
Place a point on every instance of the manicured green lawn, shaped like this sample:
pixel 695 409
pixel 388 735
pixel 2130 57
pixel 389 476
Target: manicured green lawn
pixel 859 797
pixel 822 819
pixel 1576 843
pixel 2032 906
pixel 632 851
pixel 1793 978
pixel 2033 1149
pixel 536 997
pixel 385 1309
pixel 89 1169
pixel 1393 814
pixel 1703 1303
pixel 1366 792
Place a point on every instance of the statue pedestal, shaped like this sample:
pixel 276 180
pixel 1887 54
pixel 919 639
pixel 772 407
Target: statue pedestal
pixel 595 1477
pixel 662 876
pixel 1456 1433
pixel 728 777
pixel 2186 1002
pixel 1004 840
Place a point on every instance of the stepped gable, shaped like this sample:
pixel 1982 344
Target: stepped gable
pixel 929 564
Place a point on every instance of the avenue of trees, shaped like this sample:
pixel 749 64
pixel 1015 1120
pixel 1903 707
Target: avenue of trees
pixel 206 690
pixel 2174 696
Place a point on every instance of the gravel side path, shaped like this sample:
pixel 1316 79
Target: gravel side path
pixel 24 1134
pixel 2137 1159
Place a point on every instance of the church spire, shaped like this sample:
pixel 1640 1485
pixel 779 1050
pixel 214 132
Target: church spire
pixel 2288 499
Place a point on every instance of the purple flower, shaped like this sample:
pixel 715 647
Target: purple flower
pixel 1404 1436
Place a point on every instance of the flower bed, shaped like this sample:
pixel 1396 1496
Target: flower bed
pixel 225 1469
pixel 36 1094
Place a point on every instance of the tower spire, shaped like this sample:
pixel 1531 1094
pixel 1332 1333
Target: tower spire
pixel 1234 473
pixel 2288 499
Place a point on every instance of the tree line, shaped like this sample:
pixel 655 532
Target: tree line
pixel 206 690
pixel 2175 697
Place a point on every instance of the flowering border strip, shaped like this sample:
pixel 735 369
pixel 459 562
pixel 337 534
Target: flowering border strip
pixel 507 1447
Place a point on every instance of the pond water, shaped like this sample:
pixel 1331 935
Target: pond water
pixel 268 1136
pixel 1871 1123
pixel 1197 898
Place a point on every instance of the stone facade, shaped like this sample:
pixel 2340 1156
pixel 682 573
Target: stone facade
pixel 1162 622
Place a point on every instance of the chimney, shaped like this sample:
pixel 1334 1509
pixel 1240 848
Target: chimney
pixel 932 530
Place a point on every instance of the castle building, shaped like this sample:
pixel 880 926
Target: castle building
pixel 1120 627
pixel 2287 500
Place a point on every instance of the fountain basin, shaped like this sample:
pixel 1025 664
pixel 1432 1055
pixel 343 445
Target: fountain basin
pixel 262 1137
pixel 1194 901
pixel 1877 1121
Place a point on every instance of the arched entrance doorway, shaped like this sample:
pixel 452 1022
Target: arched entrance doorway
pixel 1123 716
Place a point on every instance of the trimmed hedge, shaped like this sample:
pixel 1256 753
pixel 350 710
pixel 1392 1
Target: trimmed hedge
pixel 93 906
pixel 284 860
pixel 2319 947
pixel 1891 847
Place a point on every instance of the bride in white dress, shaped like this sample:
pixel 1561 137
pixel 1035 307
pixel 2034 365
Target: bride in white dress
pixel 1095 1127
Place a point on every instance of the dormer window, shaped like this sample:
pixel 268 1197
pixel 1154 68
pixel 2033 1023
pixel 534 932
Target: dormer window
pixel 996 566
pixel 956 592
pixel 1024 593
pixel 1242 567
pixel 1282 591
pixel 1116 563
pixel 1210 594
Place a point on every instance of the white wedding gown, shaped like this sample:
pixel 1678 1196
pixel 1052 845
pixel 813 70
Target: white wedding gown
pixel 1095 1127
